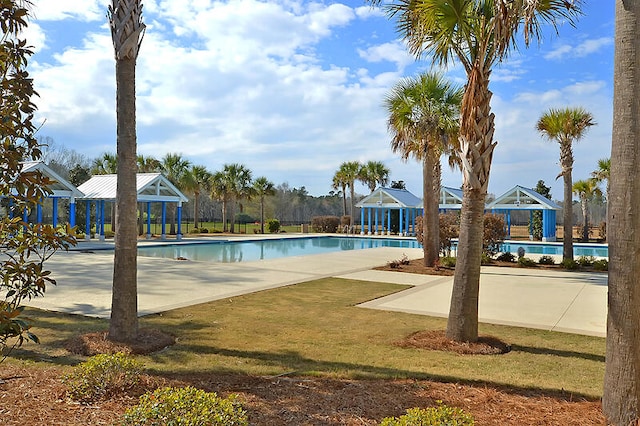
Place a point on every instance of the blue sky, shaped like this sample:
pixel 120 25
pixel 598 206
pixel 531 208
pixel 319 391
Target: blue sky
pixel 293 88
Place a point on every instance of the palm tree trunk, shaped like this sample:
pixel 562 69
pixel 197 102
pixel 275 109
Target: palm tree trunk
pixel 585 220
pixel 621 398
pixel 232 213
pixel 344 201
pixel 124 303
pixel 567 215
pixel 431 227
pixel 196 209
pixel 353 196
pixel 262 215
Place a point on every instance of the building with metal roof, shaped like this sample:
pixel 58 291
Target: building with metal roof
pixel 151 188
pixel 381 203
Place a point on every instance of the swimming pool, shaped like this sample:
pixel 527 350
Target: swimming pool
pixel 596 250
pixel 247 251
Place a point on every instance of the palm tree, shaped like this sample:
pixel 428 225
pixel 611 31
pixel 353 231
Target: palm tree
pixel 565 126
pixel 479 34
pixel 196 180
pixel 127 30
pixel 349 172
pixel 423 119
pixel 586 190
pixel 106 164
pixel 219 191
pixel 374 173
pixel 340 183
pixel 602 174
pixel 621 396
pixel 237 179
pixel 263 187
pixel 175 168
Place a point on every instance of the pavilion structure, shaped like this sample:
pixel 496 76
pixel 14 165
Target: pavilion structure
pixel 377 208
pixel 151 188
pixel 524 199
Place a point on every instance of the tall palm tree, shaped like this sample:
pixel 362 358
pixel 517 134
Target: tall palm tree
pixel 566 126
pixel 586 190
pixel 263 187
pixel 237 179
pixel 196 180
pixel 602 174
pixel 218 190
pixel 621 396
pixel 349 172
pixel 374 173
pixel 479 34
pixel 127 31
pixel 340 183
pixel 175 168
pixel 424 116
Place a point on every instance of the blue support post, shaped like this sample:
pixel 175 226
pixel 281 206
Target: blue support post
pixel 54 212
pixel 361 222
pixel 39 212
pixel 369 221
pixel 87 221
pixel 164 220
pixel 148 220
pixel 400 222
pixel 72 212
pixel 102 202
pixel 179 214
pixel 377 213
pixel 388 221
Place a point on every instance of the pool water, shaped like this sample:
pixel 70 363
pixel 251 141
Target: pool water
pixel 596 250
pixel 247 251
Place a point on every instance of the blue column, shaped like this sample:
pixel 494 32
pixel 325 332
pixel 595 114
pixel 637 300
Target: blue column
pixel 72 211
pixel 548 225
pixel 413 221
pixel 361 221
pixel 509 223
pixel 388 221
pixel 102 202
pixel 531 224
pixel 25 215
pixel 377 212
pixel 179 214
pixel 164 220
pixel 54 218
pixel 149 220
pixel 39 212
pixel 369 222
pixel 87 221
pixel 400 221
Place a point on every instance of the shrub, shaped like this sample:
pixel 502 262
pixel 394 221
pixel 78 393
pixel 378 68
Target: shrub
pixel 394 264
pixel 586 260
pixel 101 376
pixel 194 231
pixel 243 218
pixel 569 264
pixel 448 262
pixel 486 259
pixel 325 224
pixel 601 265
pixel 186 407
pixel 494 233
pixel 434 416
pixel 273 226
pixel 507 256
pixel 526 262
pixel 546 260
pixel 449 229
pixel 204 230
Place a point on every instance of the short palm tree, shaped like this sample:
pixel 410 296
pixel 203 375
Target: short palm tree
pixel 106 164
pixel 349 172
pixel 566 126
pixel 175 168
pixel 340 183
pixel 479 34
pixel 423 118
pixel 219 191
pixel 374 173
pixel 237 181
pixel 196 180
pixel 263 187
pixel 586 190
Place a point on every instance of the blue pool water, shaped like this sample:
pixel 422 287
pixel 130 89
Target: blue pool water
pixel 247 251
pixel 597 250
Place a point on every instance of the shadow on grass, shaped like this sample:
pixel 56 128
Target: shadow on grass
pixel 556 352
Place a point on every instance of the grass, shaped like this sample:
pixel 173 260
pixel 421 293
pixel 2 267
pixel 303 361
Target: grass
pixel 315 328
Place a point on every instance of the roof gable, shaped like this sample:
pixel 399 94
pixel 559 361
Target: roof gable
pixel 59 187
pixel 390 198
pixel 520 198
pixel 149 186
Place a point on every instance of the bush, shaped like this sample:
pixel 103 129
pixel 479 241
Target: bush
pixel 186 407
pixel 449 229
pixel 243 218
pixel 526 262
pixel 494 233
pixel 273 226
pixel 586 260
pixel 434 416
pixel 486 259
pixel 325 224
pixel 546 260
pixel 448 262
pixel 101 376
pixel 204 230
pixel 569 264
pixel 194 231
pixel 601 265
pixel 507 256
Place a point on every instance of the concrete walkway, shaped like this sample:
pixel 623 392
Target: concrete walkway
pixel 552 300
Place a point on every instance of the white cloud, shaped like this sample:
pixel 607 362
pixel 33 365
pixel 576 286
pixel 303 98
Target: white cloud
pixel 394 52
pixel 83 10
pixel 585 48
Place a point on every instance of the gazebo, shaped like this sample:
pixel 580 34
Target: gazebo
pixel 382 202
pixel 450 199
pixel 151 188
pixel 524 199
pixel 59 189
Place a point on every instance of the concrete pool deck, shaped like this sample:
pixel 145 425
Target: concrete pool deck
pixel 552 300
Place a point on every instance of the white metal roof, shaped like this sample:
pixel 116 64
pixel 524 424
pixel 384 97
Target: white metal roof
pixel 59 187
pixel 150 187
pixel 390 198
pixel 520 198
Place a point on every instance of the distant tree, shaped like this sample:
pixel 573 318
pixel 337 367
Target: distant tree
pixel 374 173
pixel 146 164
pixel 602 174
pixel 175 168
pixel 219 191
pixel 536 224
pixel 263 187
pixel 349 172
pixel 398 184
pixel 195 181
pixel 586 190
pixel 237 181
pixel 566 126
pixel 340 183
pixel 106 164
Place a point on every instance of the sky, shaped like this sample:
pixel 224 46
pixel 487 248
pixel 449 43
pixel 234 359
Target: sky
pixel 292 88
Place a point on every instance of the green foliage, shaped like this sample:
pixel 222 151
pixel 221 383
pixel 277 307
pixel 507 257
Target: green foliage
pixel 204 230
pixel 194 231
pixel 448 262
pixel 494 234
pixel 603 231
pixel 546 260
pixel 101 376
pixel 186 407
pixel 586 260
pixel 536 223
pixel 24 247
pixel 601 265
pixel 526 262
pixel 485 259
pixel 243 218
pixel 325 224
pixel 569 264
pixel 273 226
pixel 433 416
pixel 507 256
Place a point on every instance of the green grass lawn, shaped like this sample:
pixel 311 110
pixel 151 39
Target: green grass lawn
pixel 315 328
